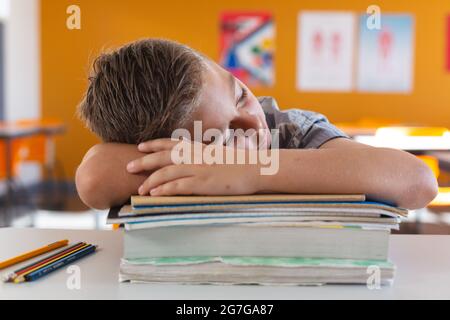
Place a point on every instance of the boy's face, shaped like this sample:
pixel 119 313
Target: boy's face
pixel 226 103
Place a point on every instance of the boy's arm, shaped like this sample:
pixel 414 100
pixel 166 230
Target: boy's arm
pixel 102 179
pixel 345 166
pixel 339 166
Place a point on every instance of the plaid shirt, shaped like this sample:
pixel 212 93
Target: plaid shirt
pixel 299 129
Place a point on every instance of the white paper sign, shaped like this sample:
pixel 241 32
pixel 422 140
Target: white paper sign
pixel 325 51
pixel 386 55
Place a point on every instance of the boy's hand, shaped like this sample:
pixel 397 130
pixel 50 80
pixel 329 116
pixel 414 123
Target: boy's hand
pixel 188 179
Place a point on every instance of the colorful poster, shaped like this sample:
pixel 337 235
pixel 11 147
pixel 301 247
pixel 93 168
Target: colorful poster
pixel 447 54
pixel 247 46
pixel 325 51
pixel 386 55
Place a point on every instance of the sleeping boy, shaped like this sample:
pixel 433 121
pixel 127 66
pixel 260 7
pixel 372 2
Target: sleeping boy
pixel 141 93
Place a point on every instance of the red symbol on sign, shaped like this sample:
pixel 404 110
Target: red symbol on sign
pixel 336 42
pixel 385 42
pixel 317 43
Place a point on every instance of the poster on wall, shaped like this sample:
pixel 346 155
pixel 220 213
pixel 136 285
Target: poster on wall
pixel 247 46
pixel 386 55
pixel 325 51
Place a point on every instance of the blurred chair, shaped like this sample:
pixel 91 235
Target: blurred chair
pixel 15 194
pixel 16 158
pixel 40 148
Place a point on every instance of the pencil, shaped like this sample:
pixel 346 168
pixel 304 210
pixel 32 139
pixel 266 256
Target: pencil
pixel 59 264
pixel 21 277
pixel 33 265
pixel 32 254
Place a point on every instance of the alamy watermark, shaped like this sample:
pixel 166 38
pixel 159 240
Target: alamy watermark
pixel 374 280
pixel 373 21
pixel 73 21
pixel 73 282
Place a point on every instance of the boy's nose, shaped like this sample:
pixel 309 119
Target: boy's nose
pixel 246 121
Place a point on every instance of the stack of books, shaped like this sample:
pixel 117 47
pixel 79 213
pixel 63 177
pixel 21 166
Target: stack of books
pixel 256 239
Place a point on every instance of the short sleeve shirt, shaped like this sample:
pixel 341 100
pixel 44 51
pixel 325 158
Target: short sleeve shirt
pixel 299 129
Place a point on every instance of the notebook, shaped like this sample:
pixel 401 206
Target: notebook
pixel 255 198
pixel 142 205
pixel 254 270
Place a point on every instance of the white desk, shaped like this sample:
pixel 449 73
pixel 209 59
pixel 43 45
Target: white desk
pixel 423 272
pixel 408 143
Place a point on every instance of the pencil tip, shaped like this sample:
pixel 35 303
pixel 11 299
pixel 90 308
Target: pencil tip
pixel 8 277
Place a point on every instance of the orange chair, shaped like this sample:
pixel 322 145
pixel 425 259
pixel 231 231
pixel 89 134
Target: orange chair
pixel 16 158
pixel 2 160
pixel 38 146
pixel 33 148
pixel 41 147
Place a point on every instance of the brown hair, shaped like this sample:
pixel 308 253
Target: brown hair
pixel 142 91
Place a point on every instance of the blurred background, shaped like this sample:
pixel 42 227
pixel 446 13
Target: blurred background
pixel 380 71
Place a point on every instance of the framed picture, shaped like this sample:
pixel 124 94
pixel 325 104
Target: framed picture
pixel 386 55
pixel 325 51
pixel 247 46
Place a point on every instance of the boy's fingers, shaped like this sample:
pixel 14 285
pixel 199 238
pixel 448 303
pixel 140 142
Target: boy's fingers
pixel 183 186
pixel 163 176
pixel 150 162
pixel 157 145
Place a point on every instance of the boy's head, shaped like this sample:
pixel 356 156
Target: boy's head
pixel 147 89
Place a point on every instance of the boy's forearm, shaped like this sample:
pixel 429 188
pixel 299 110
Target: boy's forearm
pixel 382 174
pixel 102 180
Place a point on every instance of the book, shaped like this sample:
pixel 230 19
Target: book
pixel 361 213
pixel 317 240
pixel 145 205
pixel 254 270
pixel 254 198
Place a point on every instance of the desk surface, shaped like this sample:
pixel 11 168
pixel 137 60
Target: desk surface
pixel 423 272
pixel 408 143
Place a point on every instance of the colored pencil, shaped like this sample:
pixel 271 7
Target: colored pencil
pixel 21 277
pixel 33 265
pixel 61 263
pixel 34 253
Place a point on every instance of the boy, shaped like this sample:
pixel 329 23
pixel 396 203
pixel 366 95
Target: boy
pixel 139 94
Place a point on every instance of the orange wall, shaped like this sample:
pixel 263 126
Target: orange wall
pixel 106 24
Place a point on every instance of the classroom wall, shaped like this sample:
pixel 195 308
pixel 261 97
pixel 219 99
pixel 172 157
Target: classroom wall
pixel 107 24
